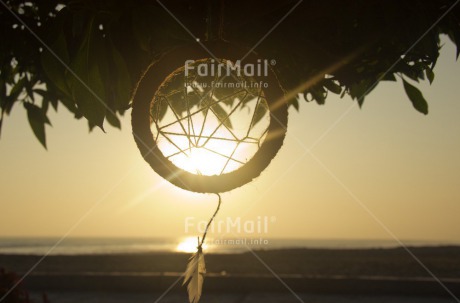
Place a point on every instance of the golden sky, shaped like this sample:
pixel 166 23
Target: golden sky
pixel 384 163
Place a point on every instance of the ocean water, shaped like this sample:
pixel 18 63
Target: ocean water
pixel 86 246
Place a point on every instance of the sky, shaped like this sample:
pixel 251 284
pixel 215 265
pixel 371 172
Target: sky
pixel 381 172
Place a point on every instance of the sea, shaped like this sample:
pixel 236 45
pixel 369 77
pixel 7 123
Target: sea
pixel 91 246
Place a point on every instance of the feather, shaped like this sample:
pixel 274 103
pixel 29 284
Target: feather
pixel 194 275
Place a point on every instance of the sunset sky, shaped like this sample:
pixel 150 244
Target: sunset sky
pixel 383 163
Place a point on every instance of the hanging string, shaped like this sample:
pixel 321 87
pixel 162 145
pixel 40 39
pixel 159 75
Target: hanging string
pixel 210 221
pixel 196 268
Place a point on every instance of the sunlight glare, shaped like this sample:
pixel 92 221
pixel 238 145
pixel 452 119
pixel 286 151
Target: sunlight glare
pixel 210 157
pixel 189 245
pixel 203 161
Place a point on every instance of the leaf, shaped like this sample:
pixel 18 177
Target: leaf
pixel 15 92
pixel 389 76
pixel 141 27
pixel 416 97
pixel 153 28
pixel 54 69
pixel 1 121
pixel 222 115
pixel 2 92
pixel 332 86
pixel 319 94
pixel 29 89
pixel 429 74
pixel 113 120
pixel 17 89
pixel 115 83
pixel 122 79
pixel 194 276
pixel 260 111
pixel 37 120
pixel 415 71
pixel 45 105
pixel 88 91
pixel 47 96
pixel 79 19
pixel 455 37
pixel 158 109
pixel 359 90
pixel 194 99
pixel 295 102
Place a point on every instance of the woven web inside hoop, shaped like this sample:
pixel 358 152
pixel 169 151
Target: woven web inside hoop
pixel 209 119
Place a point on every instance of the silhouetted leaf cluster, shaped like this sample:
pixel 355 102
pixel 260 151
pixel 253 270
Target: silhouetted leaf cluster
pixel 95 51
pixel 11 290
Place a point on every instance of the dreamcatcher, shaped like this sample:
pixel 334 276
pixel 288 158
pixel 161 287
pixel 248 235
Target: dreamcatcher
pixel 207 125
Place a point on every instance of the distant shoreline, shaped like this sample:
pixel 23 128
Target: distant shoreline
pixel 350 271
pixel 88 246
pixel 444 261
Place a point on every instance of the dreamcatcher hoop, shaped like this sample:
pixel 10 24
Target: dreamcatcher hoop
pixel 151 82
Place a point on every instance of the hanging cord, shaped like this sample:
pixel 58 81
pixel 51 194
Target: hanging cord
pixel 209 223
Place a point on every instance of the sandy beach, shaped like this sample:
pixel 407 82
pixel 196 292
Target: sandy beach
pixel 444 262
pixel 315 275
pixel 263 297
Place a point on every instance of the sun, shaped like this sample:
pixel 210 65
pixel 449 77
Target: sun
pixel 213 154
pixel 188 245
pixel 199 160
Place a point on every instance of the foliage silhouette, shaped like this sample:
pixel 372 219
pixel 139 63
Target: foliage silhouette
pixel 13 290
pixel 322 47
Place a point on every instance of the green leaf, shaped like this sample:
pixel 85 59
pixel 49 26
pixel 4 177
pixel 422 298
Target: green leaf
pixel 121 79
pixel 319 94
pixel 222 115
pixel 454 35
pixel 2 102
pixel 153 28
pixel 359 90
pixel 141 27
pixel 79 19
pixel 113 120
pixel 194 99
pixel 17 89
pixel 15 92
pixel 176 102
pixel 294 102
pixel 158 110
pixel 29 89
pixel 416 97
pixel 54 69
pixel 54 102
pixel 1 121
pixel 332 86
pixel 429 74
pixel 37 120
pixel 260 112
pixel 2 92
pixel 414 72
pixel 389 76
pixel 45 105
pixel 49 97
pixel 88 91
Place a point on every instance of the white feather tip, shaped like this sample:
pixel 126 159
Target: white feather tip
pixel 194 275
